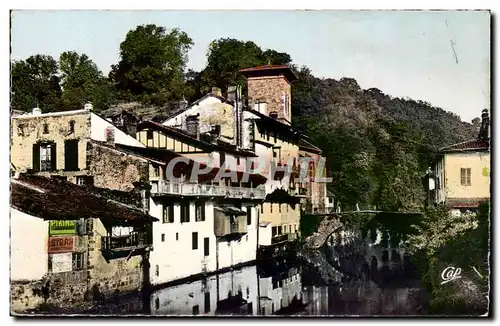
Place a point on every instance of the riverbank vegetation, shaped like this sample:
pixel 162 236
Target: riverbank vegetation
pixel 444 240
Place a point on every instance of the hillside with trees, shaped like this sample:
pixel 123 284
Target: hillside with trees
pixel 377 146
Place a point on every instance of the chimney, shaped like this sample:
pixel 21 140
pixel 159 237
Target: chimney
pixel 216 91
pixel 109 134
pixel 88 106
pixel 231 93
pixel 183 104
pixel 193 126
pixel 37 111
pixel 484 131
pixel 273 114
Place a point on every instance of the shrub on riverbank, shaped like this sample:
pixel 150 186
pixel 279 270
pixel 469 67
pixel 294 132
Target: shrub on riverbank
pixel 444 240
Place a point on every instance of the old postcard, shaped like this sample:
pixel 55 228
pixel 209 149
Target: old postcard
pixel 250 163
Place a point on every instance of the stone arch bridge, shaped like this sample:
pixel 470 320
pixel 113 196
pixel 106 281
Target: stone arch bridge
pixel 331 224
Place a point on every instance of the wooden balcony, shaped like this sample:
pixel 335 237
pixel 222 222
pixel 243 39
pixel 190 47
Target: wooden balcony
pixel 227 222
pixel 165 187
pixel 137 240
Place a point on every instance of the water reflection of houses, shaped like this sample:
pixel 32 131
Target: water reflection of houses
pixel 236 292
pixel 280 291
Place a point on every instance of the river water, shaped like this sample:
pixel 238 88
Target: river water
pixel 363 281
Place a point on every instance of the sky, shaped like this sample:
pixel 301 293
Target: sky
pixel 442 57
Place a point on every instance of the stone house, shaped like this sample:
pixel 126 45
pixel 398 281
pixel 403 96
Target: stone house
pixel 260 125
pixel 316 198
pixel 56 144
pixel 460 175
pixel 72 245
pixel 207 224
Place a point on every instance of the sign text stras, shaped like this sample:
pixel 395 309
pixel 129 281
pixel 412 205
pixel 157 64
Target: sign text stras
pixel 61 244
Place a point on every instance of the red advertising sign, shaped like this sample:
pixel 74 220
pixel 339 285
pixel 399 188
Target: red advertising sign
pixel 61 244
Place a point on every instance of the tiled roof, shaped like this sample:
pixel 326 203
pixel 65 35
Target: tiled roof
pixel 467 145
pixel 59 200
pixel 174 132
pixel 270 69
pixel 309 146
pixel 465 202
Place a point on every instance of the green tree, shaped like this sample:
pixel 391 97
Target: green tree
pixel 35 83
pixel 226 56
pixel 152 64
pixel 82 82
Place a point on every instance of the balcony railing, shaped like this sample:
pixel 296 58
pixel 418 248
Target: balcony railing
pixel 164 187
pixel 279 239
pixel 127 242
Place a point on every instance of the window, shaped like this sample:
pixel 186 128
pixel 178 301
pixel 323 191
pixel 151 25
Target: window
pixel 238 161
pixel 44 157
pixel 184 213
pixel 279 207
pixel 196 310
pixel 78 261
pixel 284 228
pixel 206 246
pixel 271 207
pixel 156 170
pixel 274 230
pixel 207 302
pixel 249 215
pixel 45 128
pixel 84 180
pixel 157 270
pixel 168 213
pixel 20 130
pixel 195 240
pixel 72 126
pixel 163 237
pixel 71 155
pixel 177 236
pixel 200 211
pixel 465 177
pixel 150 134
pixel 262 208
pixel 279 229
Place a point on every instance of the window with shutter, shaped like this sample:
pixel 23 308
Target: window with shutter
pixel 53 157
pixel 465 177
pixel 36 157
pixel 200 211
pixel 71 155
pixel 249 215
pixel 195 240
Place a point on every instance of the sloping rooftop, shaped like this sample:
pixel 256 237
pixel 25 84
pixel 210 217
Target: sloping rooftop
pixel 267 70
pixel 470 145
pixel 304 144
pixel 465 202
pixel 53 199
pixel 174 132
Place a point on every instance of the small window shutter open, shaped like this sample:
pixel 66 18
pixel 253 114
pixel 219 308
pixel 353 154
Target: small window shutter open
pixel 468 177
pixel 462 177
pixel 53 157
pixel 36 157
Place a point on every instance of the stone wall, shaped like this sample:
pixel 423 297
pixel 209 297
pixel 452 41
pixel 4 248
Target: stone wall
pixel 101 279
pixel 114 169
pixel 28 130
pixel 112 276
pixel 270 90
